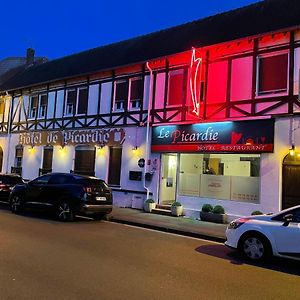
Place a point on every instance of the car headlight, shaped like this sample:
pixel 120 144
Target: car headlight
pixel 237 223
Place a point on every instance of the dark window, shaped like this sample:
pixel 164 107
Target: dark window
pixel 136 92
pixel 273 73
pixel 82 101
pixel 47 158
pixel 43 106
pixel 176 87
pixel 19 157
pixel 121 94
pixel 114 172
pixel 12 180
pixel 61 179
pixel 71 102
pixel 85 160
pixel 33 107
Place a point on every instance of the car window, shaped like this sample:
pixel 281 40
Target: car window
pixel 93 182
pixel 61 179
pixel 12 180
pixel 295 212
pixel 41 180
pixel 296 215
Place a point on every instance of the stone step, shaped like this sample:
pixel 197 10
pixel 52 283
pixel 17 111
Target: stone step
pixel 159 211
pixel 163 206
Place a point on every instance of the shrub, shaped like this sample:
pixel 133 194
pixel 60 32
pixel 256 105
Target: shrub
pixel 207 208
pixel 218 209
pixel 176 203
pixel 149 201
pixel 256 212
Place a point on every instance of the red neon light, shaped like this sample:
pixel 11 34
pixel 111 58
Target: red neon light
pixel 194 83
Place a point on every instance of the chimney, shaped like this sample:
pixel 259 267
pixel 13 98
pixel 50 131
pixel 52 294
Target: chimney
pixel 29 56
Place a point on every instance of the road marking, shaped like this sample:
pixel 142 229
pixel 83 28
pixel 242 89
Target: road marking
pixel 169 233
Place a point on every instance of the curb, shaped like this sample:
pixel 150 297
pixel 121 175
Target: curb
pixel 169 230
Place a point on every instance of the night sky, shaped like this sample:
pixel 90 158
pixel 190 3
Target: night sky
pixel 61 27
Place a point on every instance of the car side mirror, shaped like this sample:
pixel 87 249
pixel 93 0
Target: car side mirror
pixel 287 219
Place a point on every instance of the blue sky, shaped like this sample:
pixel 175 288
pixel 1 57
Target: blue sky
pixel 61 27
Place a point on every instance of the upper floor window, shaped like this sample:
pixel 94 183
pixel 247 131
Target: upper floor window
pixel 136 92
pixel 33 106
pixel 272 73
pixel 70 102
pixel 177 80
pixel 82 104
pixel 2 106
pixel 43 101
pixel 121 94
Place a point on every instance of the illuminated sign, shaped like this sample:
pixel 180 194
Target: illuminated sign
pixel 110 137
pixel 221 137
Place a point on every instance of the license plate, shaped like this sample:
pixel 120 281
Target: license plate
pixel 101 198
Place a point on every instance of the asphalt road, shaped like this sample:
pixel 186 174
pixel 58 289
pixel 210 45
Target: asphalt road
pixel 44 259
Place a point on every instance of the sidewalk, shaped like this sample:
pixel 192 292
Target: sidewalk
pixel 178 225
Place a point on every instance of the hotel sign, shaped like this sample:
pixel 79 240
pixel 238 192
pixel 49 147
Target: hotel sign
pixel 109 137
pixel 219 137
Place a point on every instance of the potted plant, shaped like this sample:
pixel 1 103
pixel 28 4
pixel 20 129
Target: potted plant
pixel 176 209
pixel 256 213
pixel 149 204
pixel 213 214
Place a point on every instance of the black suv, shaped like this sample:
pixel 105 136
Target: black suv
pixel 7 182
pixel 64 194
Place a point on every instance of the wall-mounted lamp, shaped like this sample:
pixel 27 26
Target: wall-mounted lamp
pixel 292 150
pixel 135 148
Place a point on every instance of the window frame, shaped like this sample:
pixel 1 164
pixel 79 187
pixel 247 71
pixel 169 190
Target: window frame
pixel 125 101
pixel 130 101
pixel 39 116
pixel 275 92
pixel 32 116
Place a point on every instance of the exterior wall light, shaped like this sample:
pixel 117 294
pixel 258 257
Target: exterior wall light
pixel 292 150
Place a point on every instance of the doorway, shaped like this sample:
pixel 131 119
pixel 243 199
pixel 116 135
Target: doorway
pixel 168 178
pixel 291 180
pixel 85 160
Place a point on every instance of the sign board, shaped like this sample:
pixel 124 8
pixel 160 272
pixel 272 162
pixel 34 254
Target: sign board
pixel 109 137
pixel 219 137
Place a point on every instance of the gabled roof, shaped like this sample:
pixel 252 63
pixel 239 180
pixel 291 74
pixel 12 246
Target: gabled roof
pixel 258 18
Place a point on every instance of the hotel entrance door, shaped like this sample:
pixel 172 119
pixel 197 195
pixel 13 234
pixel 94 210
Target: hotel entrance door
pixel 168 178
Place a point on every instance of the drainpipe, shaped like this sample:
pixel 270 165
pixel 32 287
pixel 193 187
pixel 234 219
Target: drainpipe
pixel 8 132
pixel 148 127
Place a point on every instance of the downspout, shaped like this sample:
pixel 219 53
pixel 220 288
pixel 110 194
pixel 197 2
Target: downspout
pixel 148 128
pixel 8 132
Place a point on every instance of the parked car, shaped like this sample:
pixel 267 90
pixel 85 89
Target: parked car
pixel 64 194
pixel 7 182
pixel 259 237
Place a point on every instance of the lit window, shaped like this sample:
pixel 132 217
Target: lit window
pixel 272 74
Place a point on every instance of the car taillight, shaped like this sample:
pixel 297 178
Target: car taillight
pixel 87 189
pixel 237 223
pixel 4 186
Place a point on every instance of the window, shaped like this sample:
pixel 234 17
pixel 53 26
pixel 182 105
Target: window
pixel 85 160
pixel 232 177
pixel 177 80
pixel 43 106
pixel 42 180
pixel 272 74
pixel 71 102
pixel 2 106
pixel 121 94
pixel 136 92
pixel 82 101
pixel 19 156
pixel 33 107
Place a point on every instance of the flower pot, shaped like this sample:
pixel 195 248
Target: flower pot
pixel 149 206
pixel 177 210
pixel 211 217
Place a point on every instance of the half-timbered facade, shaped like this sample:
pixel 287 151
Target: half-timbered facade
pixel 200 113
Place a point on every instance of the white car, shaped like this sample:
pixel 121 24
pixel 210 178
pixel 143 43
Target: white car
pixel 259 237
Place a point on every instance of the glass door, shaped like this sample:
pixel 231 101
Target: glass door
pixel 168 179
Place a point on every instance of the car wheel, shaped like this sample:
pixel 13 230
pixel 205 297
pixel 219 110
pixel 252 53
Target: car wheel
pixel 16 204
pixel 65 212
pixel 255 247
